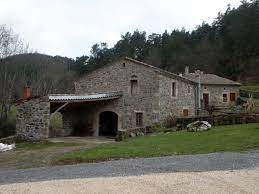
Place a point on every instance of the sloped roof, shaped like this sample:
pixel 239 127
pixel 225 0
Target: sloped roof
pixel 84 98
pixel 159 70
pixel 211 79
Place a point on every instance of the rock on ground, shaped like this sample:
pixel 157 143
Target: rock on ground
pixel 6 147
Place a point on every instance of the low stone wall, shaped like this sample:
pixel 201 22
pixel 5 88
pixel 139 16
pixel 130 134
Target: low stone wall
pixel 32 121
pixel 229 119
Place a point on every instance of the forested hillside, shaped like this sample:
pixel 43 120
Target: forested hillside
pixel 228 47
pixel 44 74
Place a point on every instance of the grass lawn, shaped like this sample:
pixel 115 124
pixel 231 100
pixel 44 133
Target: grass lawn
pixel 253 88
pixel 233 138
pixel 29 155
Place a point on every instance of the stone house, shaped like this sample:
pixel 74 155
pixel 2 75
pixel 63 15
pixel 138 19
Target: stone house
pixel 214 90
pixel 123 95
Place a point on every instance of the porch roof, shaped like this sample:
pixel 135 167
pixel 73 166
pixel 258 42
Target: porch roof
pixel 83 98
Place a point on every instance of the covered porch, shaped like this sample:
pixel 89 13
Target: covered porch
pixel 87 115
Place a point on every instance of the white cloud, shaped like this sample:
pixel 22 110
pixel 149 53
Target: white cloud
pixel 70 28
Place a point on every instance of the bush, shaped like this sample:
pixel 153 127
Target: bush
pixel 7 128
pixel 170 121
pixel 122 135
pixel 246 94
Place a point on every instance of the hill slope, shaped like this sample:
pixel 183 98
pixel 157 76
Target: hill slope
pixel 45 74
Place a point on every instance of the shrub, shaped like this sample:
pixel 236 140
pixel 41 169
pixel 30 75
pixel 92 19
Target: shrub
pixel 246 94
pixel 170 121
pixel 122 135
pixel 7 128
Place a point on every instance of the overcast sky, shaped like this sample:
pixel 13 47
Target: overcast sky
pixel 71 27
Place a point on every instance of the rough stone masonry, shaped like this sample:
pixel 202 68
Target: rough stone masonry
pixel 32 122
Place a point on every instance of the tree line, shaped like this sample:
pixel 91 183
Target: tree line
pixel 19 67
pixel 228 47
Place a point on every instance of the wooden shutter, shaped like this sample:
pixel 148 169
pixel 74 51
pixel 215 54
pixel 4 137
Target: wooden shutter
pixel 232 97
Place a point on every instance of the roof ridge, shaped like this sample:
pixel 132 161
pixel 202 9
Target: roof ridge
pixel 212 79
pixel 159 69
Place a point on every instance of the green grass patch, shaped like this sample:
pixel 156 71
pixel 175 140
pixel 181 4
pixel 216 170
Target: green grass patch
pixel 56 122
pixel 233 138
pixel 43 145
pixel 252 88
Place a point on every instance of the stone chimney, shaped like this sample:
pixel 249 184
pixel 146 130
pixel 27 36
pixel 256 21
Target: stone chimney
pixel 186 70
pixel 26 93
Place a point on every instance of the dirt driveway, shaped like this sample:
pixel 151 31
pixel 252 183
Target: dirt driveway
pixel 28 155
pixel 237 181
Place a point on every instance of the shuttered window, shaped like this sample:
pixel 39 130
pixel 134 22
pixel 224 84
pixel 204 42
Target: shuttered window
pixel 225 97
pixel 185 112
pixel 232 97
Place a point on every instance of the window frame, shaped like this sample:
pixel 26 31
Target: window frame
pixel 139 120
pixel 133 91
pixel 188 89
pixel 230 96
pixel 173 89
pixel 184 111
pixel 225 99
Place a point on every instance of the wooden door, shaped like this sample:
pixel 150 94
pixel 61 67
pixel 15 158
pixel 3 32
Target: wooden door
pixel 206 100
pixel 185 112
pixel 232 97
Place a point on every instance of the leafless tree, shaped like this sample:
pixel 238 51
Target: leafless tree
pixel 10 44
pixel 249 105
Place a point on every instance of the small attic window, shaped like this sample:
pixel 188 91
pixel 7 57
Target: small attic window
pixel 134 85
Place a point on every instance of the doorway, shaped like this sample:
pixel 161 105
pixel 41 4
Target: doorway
pixel 108 124
pixel 206 100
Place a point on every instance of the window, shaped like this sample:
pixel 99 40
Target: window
pixel 232 97
pixel 139 119
pixel 123 64
pixel 189 89
pixel 173 89
pixel 185 112
pixel 133 87
pixel 225 97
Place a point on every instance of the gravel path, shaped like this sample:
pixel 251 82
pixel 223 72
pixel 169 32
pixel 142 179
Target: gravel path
pixel 237 181
pixel 133 167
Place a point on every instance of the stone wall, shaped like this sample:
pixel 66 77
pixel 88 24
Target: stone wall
pixel 117 77
pixel 216 94
pixel 184 98
pixel 32 121
pixel 88 116
pixel 151 99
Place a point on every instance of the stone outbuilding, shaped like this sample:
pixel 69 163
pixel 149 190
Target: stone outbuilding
pixel 122 95
pixel 214 90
